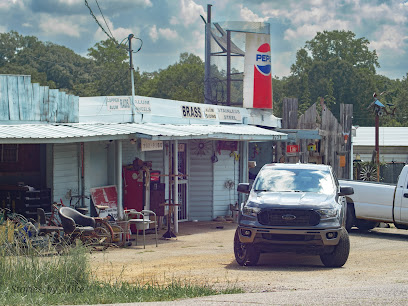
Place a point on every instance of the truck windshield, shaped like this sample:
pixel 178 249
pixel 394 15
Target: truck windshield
pixel 294 180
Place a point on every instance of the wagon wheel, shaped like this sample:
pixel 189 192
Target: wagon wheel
pixel 100 239
pixel 368 173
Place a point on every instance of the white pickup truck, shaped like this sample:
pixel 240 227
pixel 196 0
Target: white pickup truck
pixel 374 202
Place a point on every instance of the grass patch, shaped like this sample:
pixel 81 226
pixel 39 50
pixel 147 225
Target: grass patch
pixel 30 278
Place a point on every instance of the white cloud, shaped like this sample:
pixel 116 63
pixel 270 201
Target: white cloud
pixel 174 20
pixel 119 33
pixel 248 15
pixel 3 29
pixel 70 25
pixel 8 4
pixel 168 34
pixel 281 63
pixel 71 2
pixel 196 45
pixel 390 38
pixel 190 12
pixel 154 35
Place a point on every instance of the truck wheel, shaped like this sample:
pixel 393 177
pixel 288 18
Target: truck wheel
pixel 365 225
pixel 245 254
pixel 350 217
pixel 340 254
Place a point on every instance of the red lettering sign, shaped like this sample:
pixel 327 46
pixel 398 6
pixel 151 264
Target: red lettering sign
pixel 292 148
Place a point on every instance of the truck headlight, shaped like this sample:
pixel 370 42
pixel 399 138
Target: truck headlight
pixel 329 213
pixel 250 209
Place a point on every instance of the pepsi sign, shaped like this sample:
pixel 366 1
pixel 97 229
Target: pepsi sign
pixel 263 59
pixel 257 72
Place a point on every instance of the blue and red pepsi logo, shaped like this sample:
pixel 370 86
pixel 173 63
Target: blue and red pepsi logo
pixel 263 59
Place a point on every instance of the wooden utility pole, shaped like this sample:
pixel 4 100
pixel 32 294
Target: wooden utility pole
pixel 377 146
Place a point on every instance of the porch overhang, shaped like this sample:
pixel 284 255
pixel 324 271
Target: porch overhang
pixel 80 132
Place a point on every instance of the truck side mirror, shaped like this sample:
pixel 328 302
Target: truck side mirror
pixel 346 190
pixel 244 187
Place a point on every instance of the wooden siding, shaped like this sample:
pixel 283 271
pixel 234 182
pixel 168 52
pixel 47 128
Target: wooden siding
pixel 156 157
pixel 130 152
pixel 66 171
pixel 224 172
pixel 21 100
pixel 200 180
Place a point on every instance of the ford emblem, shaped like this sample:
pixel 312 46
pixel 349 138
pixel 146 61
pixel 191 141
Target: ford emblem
pixel 288 217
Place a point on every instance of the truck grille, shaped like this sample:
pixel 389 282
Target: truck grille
pixel 288 217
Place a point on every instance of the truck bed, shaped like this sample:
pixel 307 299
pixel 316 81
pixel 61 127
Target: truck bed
pixel 372 200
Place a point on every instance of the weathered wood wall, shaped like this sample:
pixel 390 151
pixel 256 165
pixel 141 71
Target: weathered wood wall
pixel 21 100
pixel 332 144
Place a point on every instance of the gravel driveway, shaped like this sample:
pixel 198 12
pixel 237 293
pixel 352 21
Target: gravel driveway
pixel 203 253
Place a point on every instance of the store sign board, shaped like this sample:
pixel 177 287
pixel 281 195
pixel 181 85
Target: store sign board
pixel 191 111
pixel 229 114
pixel 151 145
pixel 209 113
pixel 292 149
pixel 125 103
pixel 118 103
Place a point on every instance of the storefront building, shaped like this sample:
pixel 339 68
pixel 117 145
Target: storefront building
pixel 76 144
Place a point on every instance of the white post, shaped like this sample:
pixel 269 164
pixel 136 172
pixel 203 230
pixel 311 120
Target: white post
pixel 175 172
pixel 119 177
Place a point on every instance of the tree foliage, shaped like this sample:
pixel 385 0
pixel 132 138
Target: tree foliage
pixel 334 65
pixel 340 68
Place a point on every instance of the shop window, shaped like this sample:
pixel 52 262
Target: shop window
pixel 9 153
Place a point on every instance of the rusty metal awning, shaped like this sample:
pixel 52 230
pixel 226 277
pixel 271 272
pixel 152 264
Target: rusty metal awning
pixel 81 132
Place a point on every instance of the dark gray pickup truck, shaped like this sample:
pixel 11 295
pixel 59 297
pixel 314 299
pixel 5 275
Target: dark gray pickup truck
pixel 293 208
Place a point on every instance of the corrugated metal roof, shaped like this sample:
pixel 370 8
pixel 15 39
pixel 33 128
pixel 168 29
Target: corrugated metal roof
pixel 387 136
pixel 77 132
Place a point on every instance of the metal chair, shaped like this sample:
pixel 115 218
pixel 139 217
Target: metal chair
pixel 142 220
pixel 74 222
pixel 43 228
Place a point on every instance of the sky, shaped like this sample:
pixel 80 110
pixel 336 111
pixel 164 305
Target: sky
pixel 171 27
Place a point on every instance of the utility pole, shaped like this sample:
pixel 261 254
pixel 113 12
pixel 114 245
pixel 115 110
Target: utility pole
pixel 207 84
pixel 377 145
pixel 131 76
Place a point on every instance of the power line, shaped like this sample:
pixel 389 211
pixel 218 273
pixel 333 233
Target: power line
pixel 97 21
pixel 103 17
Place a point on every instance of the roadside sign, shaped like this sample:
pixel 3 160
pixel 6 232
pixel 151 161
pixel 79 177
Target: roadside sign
pixel 292 149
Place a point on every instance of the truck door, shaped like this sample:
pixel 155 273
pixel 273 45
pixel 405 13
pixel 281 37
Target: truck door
pixel 401 202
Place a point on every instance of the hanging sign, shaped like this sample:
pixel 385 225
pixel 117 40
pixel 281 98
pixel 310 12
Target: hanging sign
pixel 151 145
pixel 342 161
pixel 292 148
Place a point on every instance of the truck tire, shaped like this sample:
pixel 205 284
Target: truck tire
pixel 245 253
pixel 365 225
pixel 340 254
pixel 350 217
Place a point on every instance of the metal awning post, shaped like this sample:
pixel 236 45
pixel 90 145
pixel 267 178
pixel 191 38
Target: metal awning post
pixel 175 194
pixel 118 150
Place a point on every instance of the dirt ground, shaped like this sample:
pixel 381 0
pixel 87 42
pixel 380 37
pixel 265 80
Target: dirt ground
pixel 202 253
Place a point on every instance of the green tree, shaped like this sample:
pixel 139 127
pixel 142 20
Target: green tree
pixel 337 66
pixel 111 69
pixel 48 64
pixel 182 81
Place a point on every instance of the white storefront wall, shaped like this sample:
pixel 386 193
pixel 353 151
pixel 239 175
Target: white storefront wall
pixel 211 185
